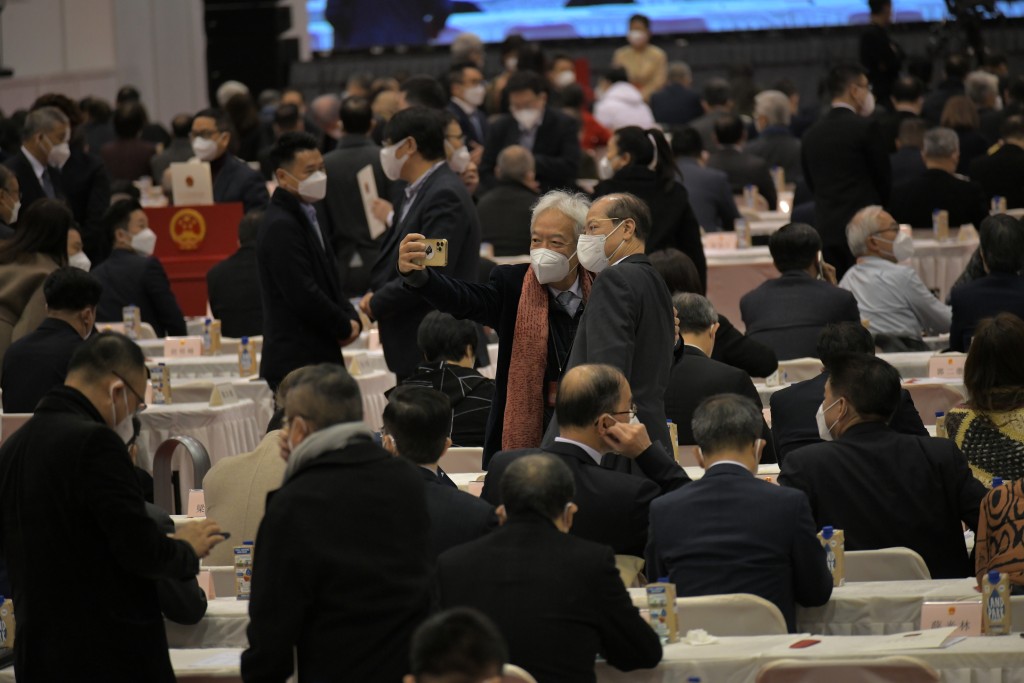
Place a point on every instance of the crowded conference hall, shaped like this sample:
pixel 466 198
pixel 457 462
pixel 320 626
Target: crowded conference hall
pixel 547 341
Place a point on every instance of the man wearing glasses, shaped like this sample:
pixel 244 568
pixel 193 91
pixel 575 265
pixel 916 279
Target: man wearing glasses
pixel 74 532
pixel 233 180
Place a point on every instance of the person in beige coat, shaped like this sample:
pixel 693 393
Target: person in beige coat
pixel 38 248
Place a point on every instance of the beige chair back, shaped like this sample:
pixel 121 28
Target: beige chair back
pixel 884 670
pixel 462 460
pixel 885 564
pixel 739 614
pixel 631 570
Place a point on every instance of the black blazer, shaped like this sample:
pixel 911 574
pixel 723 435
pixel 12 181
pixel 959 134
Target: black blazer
pixel 236 182
pixel 87 185
pixel 94 508
pixel 982 298
pixel 233 287
pixel 181 600
pixel 558 600
pixel 505 217
pixel 936 100
pixel 778 147
pixel 793 409
pixel 612 505
pixel 772 553
pixel 673 223
pixel 733 348
pixel 709 194
pixel 676 105
pixel 467 126
pixel 442 209
pixel 744 168
pixel 914 201
pixel 343 587
pixel 788 313
pixel 906 164
pixel 694 378
pixel 37 363
pixel 456 517
pixel 30 187
pixel 304 311
pixel 556 149
pixel 130 279
pixel 1000 173
pixel 886 489
pixel 846 167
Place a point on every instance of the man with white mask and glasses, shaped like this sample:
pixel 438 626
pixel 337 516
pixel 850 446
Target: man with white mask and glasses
pixel 890 295
pixel 468 90
pixel 233 180
pixel 44 150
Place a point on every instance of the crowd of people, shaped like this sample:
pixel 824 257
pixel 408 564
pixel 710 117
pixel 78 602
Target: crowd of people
pixel 607 346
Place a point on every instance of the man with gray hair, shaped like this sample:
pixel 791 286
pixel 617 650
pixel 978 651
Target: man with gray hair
pixel 325 111
pixel 772 553
pixel 676 104
pixel 505 211
pixel 982 89
pixel 890 295
pixel 44 149
pixel 695 376
pixel 535 310
pixel 775 142
pixel 467 47
pixel 915 201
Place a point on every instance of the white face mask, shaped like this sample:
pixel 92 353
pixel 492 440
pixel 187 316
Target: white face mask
pixel 144 241
pixel 390 162
pixel 458 159
pixel 590 250
pixel 564 78
pixel 59 155
pixel 527 118
pixel 511 63
pixel 548 265
pixel 902 246
pixel 636 37
pixel 80 261
pixel 605 170
pixel 123 428
pixel 313 188
pixel 474 94
pixel 824 431
pixel 204 149
pixel 867 107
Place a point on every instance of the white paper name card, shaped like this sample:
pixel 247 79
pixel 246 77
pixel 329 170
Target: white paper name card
pixel 196 503
pixel 373 340
pixel 183 347
pixel 947 366
pixel 720 240
pixel 223 395
pixel 965 616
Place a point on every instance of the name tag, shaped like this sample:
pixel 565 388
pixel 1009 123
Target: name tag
pixel 196 503
pixel 965 616
pixel 223 395
pixel 183 347
pixel 947 366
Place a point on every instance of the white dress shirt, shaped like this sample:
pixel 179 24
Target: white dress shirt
pixel 587 449
pixel 894 300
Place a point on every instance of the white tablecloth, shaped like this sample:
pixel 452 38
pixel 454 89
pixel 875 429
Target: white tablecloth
pixel 224 430
pixel 199 390
pixel 910 364
pixel 372 386
pixel 220 665
pixel 154 348
pixel 223 626
pixel 940 263
pixel 200 367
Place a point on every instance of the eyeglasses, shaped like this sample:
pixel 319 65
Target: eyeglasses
pixel 631 412
pixel 142 401
pixel 894 226
pixel 287 421
pixel 591 228
pixel 205 134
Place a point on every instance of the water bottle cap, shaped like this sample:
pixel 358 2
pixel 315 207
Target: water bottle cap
pixel 939 413
pixel 668 421
pixel 248 543
pixel 827 532
pixel 663 579
pixel 245 340
pixel 993 576
pixel 997 481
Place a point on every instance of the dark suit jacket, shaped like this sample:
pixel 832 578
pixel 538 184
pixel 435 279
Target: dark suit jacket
pixel 304 311
pixel 558 600
pixel 936 100
pixel 179 150
pixel 733 348
pixel 983 298
pixel 181 600
pixel 694 378
pixel 906 164
pixel 914 201
pixel 442 209
pixel 999 174
pixel 745 168
pixel 31 189
pixel 710 195
pixel 94 506
pixel 233 286
pixel 773 553
pixel 556 149
pixel 505 217
pixel 236 182
pixel 466 124
pixel 886 489
pixel 778 147
pixel 343 207
pixel 846 167
pixel 676 105
pixel 87 186
pixel 673 223
pixel 456 517
pixel 788 313
pixel 793 409
pixel 882 57
pixel 612 505
pixel 889 123
pixel 130 279
pixel 343 587
pixel 973 145
pixel 128 159
pixel 37 363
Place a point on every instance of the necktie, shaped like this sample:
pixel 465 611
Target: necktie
pixel 477 128
pixel 565 300
pixel 311 214
pixel 48 185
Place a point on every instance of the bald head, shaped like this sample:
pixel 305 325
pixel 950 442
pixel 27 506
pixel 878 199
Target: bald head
pixel 537 484
pixel 587 392
pixel 515 164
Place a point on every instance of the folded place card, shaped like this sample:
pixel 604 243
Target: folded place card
pixel 205 580
pixel 183 347
pixel 964 616
pixel 223 395
pixel 925 639
pixel 947 365
pixel 196 503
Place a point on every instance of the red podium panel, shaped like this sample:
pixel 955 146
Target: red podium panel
pixel 190 241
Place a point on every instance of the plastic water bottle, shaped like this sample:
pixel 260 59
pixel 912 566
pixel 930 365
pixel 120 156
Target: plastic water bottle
pixel 207 339
pixel 244 358
pixel 997 482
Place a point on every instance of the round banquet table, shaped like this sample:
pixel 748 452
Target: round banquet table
pixel 154 348
pixel 372 386
pixel 217 665
pixel 221 365
pixel 199 390
pixel 224 430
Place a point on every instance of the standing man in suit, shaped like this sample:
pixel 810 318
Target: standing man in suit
pixel 708 188
pixel 552 136
pixel 434 204
pixel 233 285
pixel 879 53
pixel 44 149
pixel 907 101
pixel 845 160
pixel 717 102
pixel 355 250
pixel 1000 173
pixel 233 180
pixel 883 488
pixel 742 167
pixel 306 318
pixel 505 210
pixel 467 90
pixel 788 313
pixel 956 67
pixel 773 554
pixel 557 598
pixel 598 406
pixel 416 427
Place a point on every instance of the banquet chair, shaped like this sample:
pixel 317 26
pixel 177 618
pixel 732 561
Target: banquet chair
pixel 462 460
pixel 897 669
pixel 885 564
pixel 799 369
pixel 12 422
pixel 511 673
pixel 163 489
pixel 738 614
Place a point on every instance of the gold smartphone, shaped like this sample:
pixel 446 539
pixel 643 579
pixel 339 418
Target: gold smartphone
pixel 437 253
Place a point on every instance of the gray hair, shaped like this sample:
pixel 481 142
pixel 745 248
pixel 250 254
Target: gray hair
pixel 979 86
pixel 941 143
pixel 726 421
pixel 574 205
pixel 464 45
pixel 696 314
pixel 863 225
pixel 515 162
pixel 42 120
pixel 326 108
pixel 774 106
pixel 680 72
pixel 229 89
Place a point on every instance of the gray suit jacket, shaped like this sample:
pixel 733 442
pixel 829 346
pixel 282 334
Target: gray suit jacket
pixel 745 169
pixel 778 147
pixel 710 195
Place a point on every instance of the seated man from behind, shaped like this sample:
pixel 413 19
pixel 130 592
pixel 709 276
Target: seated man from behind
pixel 890 295
pixel 459 644
pixel 883 488
pixel 558 600
pixel 595 405
pixel 708 188
pixel 39 361
pixel 773 554
pixel 696 376
pixel 417 421
pixel 742 167
pixel 788 313
pixel 505 211
pixel 233 285
pixel 449 349
pixel 793 409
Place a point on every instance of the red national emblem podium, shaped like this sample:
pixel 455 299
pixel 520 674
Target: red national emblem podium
pixel 190 241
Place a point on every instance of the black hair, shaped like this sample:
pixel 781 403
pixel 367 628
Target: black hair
pixel 878 6
pixel 424 91
pixel 642 19
pixel 1012 128
pixel 794 246
pixel 442 337
pixel 127 93
pixel 425 126
pixel 117 217
pixel 67 105
pixel 537 484
pixel 956 66
pixel 288 145
pixel 836 339
pixel 645 147
pixel 249 226
pixel 458 71
pixel 615 74
pixel 592 395
pixel 127 187
pixel 181 125
pixel 1002 243
pixel 677 270
pixel 42 229
pixel 572 96
pixel 459 641
pixel 726 422
pixel 525 80
pixel 129 118
pixel 419 419
pixel 907 89
pixel 286 116
pixel 840 77
pixel 71 289
pixel 717 92
pixel 729 129
pixel 356 115
pixel 105 353
pixel 687 142
pixel 870 384
pixel 98 110
pixel 220 118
